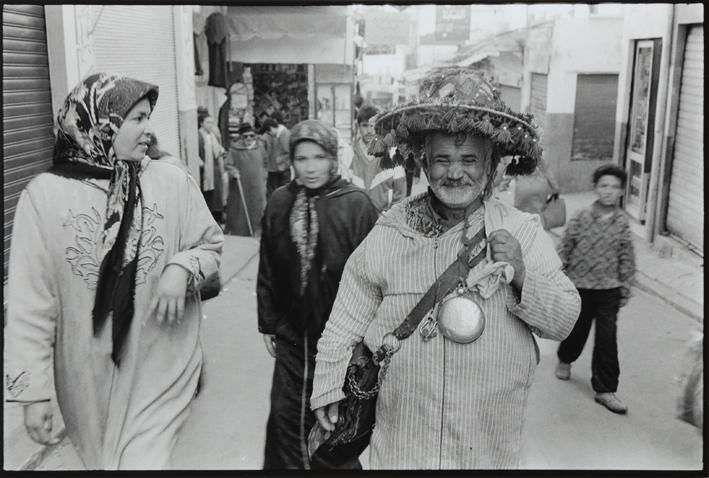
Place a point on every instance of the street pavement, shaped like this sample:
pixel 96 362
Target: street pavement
pixel 564 429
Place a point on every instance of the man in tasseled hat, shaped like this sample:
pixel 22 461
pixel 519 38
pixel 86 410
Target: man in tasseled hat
pixel 455 390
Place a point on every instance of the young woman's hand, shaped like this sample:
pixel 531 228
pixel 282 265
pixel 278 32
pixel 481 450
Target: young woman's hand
pixel 270 341
pixel 327 416
pixel 169 300
pixel 38 422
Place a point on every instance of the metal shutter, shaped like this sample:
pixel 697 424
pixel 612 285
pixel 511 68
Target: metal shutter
pixel 139 41
pixel 685 216
pixel 594 117
pixel 538 100
pixel 28 137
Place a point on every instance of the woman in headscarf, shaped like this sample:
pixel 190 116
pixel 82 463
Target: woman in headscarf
pixel 212 155
pixel 246 169
pixel 310 228
pixel 109 249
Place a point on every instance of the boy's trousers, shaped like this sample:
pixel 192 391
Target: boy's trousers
pixel 602 305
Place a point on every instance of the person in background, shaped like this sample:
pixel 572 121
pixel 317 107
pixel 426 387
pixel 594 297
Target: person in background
pixel 230 116
pixel 245 166
pixel 109 249
pixel 344 158
pixel 532 191
pixel 398 158
pixel 310 228
pixel 279 173
pixel 154 152
pixel 212 155
pixel 451 398
pixel 597 255
pixel 410 168
pixel 384 183
pixel 260 121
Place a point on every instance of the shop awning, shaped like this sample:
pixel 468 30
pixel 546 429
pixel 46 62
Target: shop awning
pixel 278 34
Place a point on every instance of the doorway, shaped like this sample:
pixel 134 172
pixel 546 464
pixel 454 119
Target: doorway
pixel 643 102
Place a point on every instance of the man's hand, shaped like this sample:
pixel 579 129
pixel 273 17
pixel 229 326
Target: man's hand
pixel 270 341
pixel 38 422
pixel 505 248
pixel 327 416
pixel 169 300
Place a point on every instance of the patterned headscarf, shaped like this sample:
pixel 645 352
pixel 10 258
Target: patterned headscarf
pixel 87 125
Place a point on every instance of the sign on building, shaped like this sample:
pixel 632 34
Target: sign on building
pixel 384 28
pixel 452 23
pixel 380 50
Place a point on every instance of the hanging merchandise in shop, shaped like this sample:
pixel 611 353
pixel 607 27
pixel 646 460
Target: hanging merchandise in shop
pixel 283 88
pixel 217 32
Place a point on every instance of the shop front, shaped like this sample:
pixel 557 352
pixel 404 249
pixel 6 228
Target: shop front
pixel 28 140
pixel 660 126
pixel 294 60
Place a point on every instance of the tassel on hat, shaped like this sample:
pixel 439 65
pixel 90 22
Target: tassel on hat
pixel 377 146
pixel 502 134
pixel 485 126
pixel 401 130
pixel 389 138
pixel 448 116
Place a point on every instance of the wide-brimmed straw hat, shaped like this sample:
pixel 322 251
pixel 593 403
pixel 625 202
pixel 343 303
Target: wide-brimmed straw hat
pixel 455 101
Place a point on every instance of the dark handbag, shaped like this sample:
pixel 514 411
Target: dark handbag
pixel 210 287
pixel 554 213
pixel 356 416
pixel 341 448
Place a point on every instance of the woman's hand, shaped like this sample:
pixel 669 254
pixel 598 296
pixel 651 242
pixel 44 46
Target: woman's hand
pixel 234 173
pixel 270 341
pixel 169 300
pixel 38 422
pixel 327 416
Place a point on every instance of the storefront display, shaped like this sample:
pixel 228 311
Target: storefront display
pixel 280 87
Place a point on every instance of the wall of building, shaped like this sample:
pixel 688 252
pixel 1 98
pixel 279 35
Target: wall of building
pixel 574 46
pixel 643 22
pixel 84 39
pixel 639 22
pixel 667 22
pixel 186 89
pixel 431 55
pixel 385 65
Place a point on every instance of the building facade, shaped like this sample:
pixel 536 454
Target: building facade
pixel 659 133
pixel 570 82
pixel 49 49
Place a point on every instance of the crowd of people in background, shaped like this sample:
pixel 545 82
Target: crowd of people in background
pixel 240 167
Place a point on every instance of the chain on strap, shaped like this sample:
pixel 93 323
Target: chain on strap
pixel 366 395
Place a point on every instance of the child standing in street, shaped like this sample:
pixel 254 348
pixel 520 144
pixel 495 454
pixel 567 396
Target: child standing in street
pixel 597 255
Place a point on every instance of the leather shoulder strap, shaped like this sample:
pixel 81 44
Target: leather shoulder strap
pixel 472 252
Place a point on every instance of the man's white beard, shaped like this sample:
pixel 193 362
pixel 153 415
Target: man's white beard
pixel 458 197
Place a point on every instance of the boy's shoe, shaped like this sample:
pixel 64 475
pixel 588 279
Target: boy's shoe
pixel 611 402
pixel 563 371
